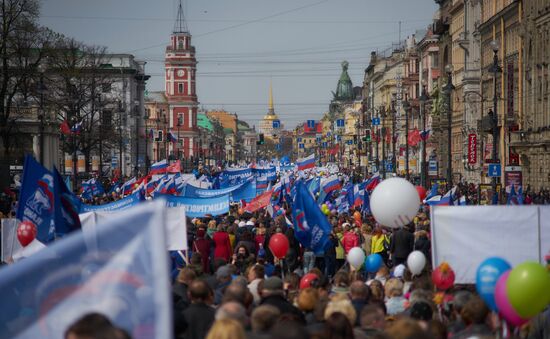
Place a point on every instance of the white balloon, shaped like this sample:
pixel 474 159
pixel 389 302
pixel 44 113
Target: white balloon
pixel 394 202
pixel 356 257
pixel 416 262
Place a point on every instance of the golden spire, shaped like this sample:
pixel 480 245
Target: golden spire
pixel 271 109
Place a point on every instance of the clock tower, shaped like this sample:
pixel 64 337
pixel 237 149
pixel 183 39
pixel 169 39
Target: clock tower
pixel 180 89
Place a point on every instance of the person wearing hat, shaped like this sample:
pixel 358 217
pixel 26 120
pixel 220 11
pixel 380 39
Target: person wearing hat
pixel 272 293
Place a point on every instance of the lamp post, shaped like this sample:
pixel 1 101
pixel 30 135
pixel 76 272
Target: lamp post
pixel 495 69
pixel 393 138
pixel 120 131
pixel 423 98
pixel 448 90
pixel 41 114
pixel 406 107
pixel 75 159
pixel 145 125
pixel 178 144
pixel 137 116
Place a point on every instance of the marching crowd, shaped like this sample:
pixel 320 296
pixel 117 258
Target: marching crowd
pixel 232 283
pixel 231 286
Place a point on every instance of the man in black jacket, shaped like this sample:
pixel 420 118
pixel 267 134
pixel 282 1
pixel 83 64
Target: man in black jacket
pixel 401 245
pixel 199 316
pixel 272 293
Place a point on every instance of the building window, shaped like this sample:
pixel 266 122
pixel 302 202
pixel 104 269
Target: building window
pixel 180 44
pixel 180 88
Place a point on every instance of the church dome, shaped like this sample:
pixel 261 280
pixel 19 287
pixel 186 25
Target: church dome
pixel 344 89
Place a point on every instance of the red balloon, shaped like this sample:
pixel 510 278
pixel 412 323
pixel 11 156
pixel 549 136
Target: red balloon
pixel 278 244
pixel 443 276
pixel 307 279
pixel 26 232
pixel 421 192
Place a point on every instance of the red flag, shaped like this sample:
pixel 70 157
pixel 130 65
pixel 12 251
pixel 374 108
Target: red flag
pixel 334 150
pixel 260 201
pixel 175 167
pixel 64 128
pixel 414 137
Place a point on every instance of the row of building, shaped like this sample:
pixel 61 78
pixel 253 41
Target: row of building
pixel 471 91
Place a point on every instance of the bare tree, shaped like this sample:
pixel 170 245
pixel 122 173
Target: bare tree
pixel 23 46
pixel 79 75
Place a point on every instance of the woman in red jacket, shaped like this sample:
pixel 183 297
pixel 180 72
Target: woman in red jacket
pixel 222 245
pixel 350 239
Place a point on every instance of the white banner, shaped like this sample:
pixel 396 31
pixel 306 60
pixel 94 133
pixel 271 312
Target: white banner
pixel 175 226
pixel 10 244
pixel 464 236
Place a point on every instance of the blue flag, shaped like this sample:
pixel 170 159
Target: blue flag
pixel 37 201
pixel 119 269
pixel 311 226
pixel 67 205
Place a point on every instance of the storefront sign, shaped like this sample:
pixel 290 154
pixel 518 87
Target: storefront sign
pixel 472 148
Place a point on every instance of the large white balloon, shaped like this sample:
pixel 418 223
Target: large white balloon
pixel 394 202
pixel 416 262
pixel 356 257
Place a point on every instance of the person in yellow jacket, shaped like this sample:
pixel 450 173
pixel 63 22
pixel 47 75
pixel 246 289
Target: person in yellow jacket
pixel 380 243
pixel 340 254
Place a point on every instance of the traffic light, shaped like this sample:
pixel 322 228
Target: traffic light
pixel 261 140
pixel 367 135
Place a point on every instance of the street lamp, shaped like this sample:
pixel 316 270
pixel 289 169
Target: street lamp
pixel 495 69
pixel 423 98
pixel 448 90
pixel 145 120
pixel 41 114
pixel 406 107
pixel 179 123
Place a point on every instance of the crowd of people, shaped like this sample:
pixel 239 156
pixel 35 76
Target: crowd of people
pixel 232 287
pixel 229 284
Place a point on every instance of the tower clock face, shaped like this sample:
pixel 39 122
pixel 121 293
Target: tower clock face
pixel 180 73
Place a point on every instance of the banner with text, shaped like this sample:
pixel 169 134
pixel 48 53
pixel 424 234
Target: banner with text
pixel 197 207
pixel 122 204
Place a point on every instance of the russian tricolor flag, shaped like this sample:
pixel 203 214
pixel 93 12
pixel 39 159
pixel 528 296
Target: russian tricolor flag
pixel 446 200
pixel 373 182
pixel 330 184
pixel 306 163
pixel 261 183
pixel 128 186
pixel 159 167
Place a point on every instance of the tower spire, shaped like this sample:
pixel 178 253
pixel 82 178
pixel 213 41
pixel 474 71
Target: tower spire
pixel 271 109
pixel 180 26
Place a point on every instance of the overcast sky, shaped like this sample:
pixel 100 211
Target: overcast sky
pixel 242 44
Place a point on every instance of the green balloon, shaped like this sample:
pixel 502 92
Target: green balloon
pixel 528 288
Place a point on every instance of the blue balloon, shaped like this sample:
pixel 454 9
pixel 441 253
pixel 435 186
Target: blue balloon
pixel 373 262
pixel 487 276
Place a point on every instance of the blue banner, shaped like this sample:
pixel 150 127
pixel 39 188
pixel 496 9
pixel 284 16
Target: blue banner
pixel 197 207
pixel 246 192
pixel 231 177
pixel 311 226
pixel 122 204
pixel 270 173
